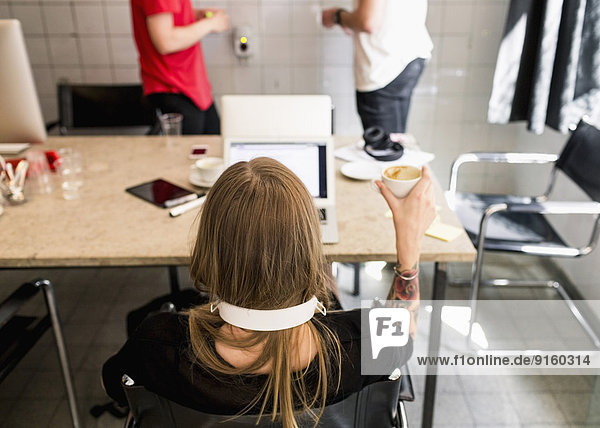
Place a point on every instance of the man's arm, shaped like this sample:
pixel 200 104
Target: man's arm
pixel 168 38
pixel 365 18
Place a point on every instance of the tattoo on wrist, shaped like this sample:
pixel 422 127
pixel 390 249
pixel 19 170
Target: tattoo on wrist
pixel 406 283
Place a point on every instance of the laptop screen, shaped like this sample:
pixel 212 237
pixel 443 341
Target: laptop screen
pixel 308 160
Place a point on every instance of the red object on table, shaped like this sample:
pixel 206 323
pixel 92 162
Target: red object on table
pixel 51 156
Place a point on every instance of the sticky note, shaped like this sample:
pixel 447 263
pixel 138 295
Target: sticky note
pixel 444 232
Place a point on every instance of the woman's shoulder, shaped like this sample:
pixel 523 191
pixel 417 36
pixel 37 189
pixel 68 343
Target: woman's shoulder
pixel 167 327
pixel 346 324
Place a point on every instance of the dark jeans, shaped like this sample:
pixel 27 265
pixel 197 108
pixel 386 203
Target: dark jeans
pixel 388 107
pixel 195 120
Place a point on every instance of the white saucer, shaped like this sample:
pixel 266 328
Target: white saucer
pixel 361 170
pixel 199 183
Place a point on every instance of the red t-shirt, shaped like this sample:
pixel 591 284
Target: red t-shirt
pixel 180 72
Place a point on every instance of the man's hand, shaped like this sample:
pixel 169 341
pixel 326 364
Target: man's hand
pixel 168 38
pixel 219 20
pixel 327 17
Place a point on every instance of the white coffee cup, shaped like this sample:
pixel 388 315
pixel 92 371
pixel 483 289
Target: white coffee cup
pixel 400 179
pixel 208 169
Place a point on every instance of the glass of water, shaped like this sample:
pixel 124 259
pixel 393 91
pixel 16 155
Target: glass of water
pixel 70 170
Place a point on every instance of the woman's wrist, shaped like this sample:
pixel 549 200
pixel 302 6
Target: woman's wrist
pixel 407 258
pixel 406 282
pixel 408 250
pixel 407 274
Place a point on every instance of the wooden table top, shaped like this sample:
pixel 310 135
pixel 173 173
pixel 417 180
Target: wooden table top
pixel 109 227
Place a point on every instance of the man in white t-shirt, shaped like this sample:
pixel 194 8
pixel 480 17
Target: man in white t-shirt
pixel 391 45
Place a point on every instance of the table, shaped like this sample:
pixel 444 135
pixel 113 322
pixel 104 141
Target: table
pixel 109 227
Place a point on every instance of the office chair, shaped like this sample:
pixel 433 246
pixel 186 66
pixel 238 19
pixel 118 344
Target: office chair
pixel 18 334
pixel 377 405
pixel 519 224
pixel 103 110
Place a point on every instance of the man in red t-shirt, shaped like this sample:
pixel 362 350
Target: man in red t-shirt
pixel 167 34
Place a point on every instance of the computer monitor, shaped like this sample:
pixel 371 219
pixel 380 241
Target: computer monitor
pixel 20 114
pixel 306 159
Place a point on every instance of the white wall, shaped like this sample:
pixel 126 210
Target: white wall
pixel 90 41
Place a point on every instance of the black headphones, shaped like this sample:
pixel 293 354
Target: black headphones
pixel 379 146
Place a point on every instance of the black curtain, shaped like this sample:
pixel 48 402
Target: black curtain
pixel 548 68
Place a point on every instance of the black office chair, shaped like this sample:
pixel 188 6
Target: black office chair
pixel 19 333
pixel 104 110
pixel 519 224
pixel 378 405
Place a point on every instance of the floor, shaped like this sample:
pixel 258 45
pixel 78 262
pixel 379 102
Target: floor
pixel 93 304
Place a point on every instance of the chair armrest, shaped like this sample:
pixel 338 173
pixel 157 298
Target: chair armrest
pixel 557 207
pixel 497 157
pixel 549 207
pixel 507 157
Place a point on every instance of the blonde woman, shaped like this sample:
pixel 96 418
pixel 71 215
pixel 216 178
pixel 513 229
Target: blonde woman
pixel 264 343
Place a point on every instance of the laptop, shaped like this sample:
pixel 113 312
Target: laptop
pixel 296 131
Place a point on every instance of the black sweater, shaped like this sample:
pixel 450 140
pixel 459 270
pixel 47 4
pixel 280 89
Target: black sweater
pixel 158 356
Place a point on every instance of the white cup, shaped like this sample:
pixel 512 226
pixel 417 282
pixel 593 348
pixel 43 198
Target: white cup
pixel 400 179
pixel 208 169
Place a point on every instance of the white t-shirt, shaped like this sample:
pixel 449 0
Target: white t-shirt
pixel 402 37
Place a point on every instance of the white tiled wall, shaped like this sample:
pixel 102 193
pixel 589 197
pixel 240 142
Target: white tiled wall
pixel 91 41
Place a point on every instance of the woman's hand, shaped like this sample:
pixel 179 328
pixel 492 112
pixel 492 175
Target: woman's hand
pixel 412 216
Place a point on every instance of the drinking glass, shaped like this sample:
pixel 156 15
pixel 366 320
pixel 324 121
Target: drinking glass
pixel 38 176
pixel 170 124
pixel 70 170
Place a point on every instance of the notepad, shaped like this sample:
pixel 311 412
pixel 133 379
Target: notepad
pixel 442 231
pixel 438 230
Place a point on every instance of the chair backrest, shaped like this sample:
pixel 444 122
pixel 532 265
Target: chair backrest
pixel 103 107
pixel 580 159
pixel 374 406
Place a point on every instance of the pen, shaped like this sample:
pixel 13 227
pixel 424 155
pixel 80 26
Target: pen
pixel 183 208
pixel 181 200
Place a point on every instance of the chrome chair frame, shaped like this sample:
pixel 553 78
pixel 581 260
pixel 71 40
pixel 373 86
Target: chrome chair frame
pixel 535 204
pixel 8 312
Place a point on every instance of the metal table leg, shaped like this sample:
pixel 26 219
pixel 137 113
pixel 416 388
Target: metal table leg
pixel 174 279
pixel 440 281
pixel 356 267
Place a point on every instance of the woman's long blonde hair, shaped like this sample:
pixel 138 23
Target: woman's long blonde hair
pixel 259 247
